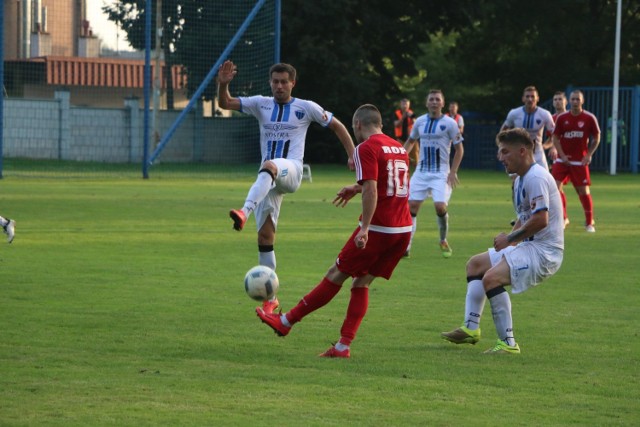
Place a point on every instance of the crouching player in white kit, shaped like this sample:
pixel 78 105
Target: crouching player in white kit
pixel 528 255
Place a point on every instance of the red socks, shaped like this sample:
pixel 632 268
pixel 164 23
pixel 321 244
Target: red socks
pixel 587 205
pixel 318 297
pixel 358 305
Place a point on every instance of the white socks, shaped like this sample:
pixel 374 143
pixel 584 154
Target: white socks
pixel 443 226
pixel 474 304
pixel 501 310
pixel 257 192
pixel 414 225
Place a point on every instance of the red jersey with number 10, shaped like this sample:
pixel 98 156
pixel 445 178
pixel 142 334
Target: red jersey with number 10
pixel 574 133
pixel 384 160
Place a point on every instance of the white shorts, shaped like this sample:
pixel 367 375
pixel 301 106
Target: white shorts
pixel 287 180
pixel 424 185
pixel 539 156
pixel 529 265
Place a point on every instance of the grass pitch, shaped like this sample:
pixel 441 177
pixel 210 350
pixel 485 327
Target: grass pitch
pixel 122 303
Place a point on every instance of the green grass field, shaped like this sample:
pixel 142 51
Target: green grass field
pixel 122 304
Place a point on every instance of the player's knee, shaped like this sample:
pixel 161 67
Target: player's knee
pixel 475 266
pixel 441 210
pixel 270 168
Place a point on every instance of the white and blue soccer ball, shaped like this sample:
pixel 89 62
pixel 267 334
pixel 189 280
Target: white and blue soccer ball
pixel 261 283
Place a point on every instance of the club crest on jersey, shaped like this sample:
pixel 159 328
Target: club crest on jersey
pixel 299 114
pixel 442 127
pixel 538 121
pixel 580 124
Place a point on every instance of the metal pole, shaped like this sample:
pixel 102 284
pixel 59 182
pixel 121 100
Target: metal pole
pixel 616 90
pixel 278 21
pixel 147 86
pixel 214 70
pixel 2 81
pixel 157 73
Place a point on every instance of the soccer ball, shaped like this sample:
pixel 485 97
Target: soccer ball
pixel 261 283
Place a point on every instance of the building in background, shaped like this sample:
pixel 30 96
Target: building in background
pixel 49 45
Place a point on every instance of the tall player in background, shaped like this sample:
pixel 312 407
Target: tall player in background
pixel 376 245
pixel 576 138
pixel 435 176
pixel 283 122
pixel 533 119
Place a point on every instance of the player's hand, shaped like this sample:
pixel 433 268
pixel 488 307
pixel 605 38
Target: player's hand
pixel 586 160
pixel 227 72
pixel 553 154
pixel 453 180
pixel 361 239
pixel 500 242
pixel 345 195
pixel 351 164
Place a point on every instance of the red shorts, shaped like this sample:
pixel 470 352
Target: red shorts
pixel 578 174
pixel 379 258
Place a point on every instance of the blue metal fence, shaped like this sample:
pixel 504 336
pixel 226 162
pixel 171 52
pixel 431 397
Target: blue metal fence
pixel 598 100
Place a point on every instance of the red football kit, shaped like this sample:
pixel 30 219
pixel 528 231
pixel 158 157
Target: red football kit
pixel 384 160
pixel 574 133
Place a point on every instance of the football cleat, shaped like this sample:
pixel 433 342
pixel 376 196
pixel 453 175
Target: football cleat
pixel 270 305
pixel 273 321
pixel 503 348
pixel 10 230
pixel 590 228
pixel 462 335
pixel 446 249
pixel 333 352
pixel 239 219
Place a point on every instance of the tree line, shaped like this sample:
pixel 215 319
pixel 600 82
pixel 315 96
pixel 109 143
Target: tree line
pixel 481 53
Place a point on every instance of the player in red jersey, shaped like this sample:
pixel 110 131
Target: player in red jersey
pixel 576 137
pixel 377 244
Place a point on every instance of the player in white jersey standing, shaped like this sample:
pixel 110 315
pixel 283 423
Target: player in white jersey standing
pixel 283 122
pixel 434 176
pixel 531 253
pixel 534 120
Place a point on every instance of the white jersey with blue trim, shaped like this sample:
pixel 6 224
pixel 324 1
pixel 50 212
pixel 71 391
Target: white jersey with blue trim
pixel 534 122
pixel 435 136
pixel 535 191
pixel 283 127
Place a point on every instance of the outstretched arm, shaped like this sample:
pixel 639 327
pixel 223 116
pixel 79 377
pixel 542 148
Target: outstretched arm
pixel 346 194
pixel 345 138
pixel 226 73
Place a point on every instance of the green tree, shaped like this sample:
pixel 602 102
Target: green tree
pixel 510 45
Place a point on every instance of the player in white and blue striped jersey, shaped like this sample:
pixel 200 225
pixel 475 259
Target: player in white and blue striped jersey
pixel 435 176
pixel 534 120
pixel 283 122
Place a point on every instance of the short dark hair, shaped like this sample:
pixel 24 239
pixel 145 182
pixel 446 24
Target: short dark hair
pixel 283 68
pixel 368 114
pixel 514 137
